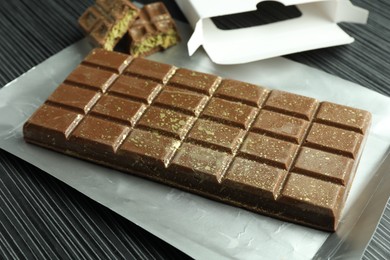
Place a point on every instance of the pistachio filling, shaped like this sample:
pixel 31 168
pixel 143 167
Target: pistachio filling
pixel 118 30
pixel 164 40
pixel 169 39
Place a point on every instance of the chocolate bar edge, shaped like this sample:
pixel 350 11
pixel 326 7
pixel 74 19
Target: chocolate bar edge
pixel 270 212
pixel 215 197
pixel 267 212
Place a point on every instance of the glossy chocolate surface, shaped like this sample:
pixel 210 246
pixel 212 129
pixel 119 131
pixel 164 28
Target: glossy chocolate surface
pixel 272 152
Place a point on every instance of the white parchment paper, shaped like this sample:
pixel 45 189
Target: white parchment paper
pixel 202 228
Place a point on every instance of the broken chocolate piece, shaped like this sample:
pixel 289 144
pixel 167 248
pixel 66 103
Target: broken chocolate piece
pixel 268 151
pixel 107 21
pixel 153 31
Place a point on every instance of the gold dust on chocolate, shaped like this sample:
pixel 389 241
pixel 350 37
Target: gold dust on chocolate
pixel 272 152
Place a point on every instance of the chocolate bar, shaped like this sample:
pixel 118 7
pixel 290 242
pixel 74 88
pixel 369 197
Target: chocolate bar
pixel 107 21
pixel 272 152
pixel 154 30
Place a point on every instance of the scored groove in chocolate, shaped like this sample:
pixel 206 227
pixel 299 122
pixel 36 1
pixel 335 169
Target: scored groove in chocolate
pixel 136 89
pixel 91 77
pixel 202 133
pixel 150 70
pixel 79 99
pixel 343 117
pixel 311 106
pixel 116 62
pixel 118 109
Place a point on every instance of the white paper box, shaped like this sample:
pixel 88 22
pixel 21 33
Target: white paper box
pixel 315 28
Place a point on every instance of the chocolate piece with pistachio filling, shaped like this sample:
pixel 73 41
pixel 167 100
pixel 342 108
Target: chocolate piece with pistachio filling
pixel 108 21
pixel 154 30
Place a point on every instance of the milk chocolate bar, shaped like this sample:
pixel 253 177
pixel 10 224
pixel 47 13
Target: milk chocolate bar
pixel 272 152
pixel 154 30
pixel 107 21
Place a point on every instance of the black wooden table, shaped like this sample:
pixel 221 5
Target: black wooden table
pixel 40 217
